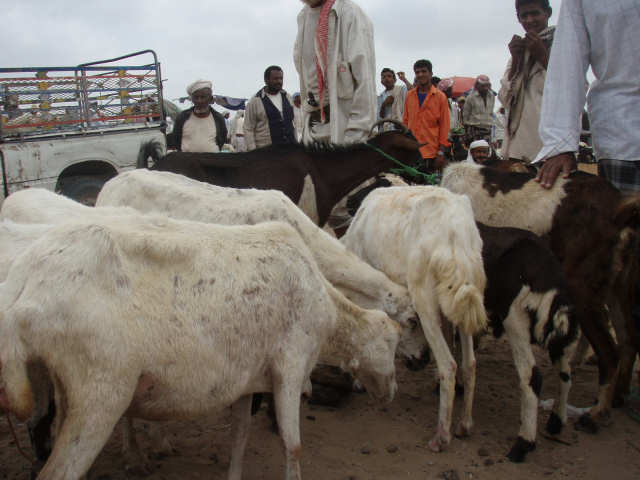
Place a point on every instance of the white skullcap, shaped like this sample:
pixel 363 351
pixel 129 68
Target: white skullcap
pixel 198 85
pixel 479 144
pixel 473 146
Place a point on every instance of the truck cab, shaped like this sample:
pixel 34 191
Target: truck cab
pixel 70 129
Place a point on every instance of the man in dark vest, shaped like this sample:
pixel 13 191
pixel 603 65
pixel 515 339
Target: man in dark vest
pixel 268 118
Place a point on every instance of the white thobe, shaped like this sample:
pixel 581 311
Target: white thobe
pixel 350 73
pixel 199 134
pixel 605 35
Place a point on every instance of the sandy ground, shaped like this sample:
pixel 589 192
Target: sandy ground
pixel 365 441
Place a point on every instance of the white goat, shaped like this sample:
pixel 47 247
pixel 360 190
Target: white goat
pixel 426 238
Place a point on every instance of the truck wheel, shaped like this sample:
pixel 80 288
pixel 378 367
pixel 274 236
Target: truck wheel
pixel 82 189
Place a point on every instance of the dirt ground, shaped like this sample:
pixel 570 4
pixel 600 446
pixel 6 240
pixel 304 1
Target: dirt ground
pixel 365 441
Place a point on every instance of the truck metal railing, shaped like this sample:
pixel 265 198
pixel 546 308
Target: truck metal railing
pixel 95 95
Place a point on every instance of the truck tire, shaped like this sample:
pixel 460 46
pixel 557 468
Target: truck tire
pixel 82 189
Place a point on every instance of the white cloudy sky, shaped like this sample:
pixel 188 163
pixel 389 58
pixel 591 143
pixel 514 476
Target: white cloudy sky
pixel 231 42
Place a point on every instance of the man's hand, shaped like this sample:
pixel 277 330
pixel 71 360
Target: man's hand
pixel 387 102
pixel 564 163
pixel 441 160
pixel 537 48
pixel 517 47
pixel 401 76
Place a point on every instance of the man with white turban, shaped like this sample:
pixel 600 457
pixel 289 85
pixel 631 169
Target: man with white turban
pixel 478 152
pixel 200 128
pixel 335 59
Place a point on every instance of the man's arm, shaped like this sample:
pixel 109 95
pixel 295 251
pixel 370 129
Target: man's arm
pixel 466 111
pixel 404 80
pixel 361 61
pixel 405 112
pixel 249 125
pixel 443 134
pixel 177 128
pixel 221 126
pixel 564 94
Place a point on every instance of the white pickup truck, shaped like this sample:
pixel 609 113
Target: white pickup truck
pixel 70 129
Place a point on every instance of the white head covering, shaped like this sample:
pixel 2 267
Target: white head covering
pixel 474 145
pixel 197 85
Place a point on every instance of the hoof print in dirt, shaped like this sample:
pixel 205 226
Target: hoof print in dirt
pixel 366 449
pixel 519 451
pixel 587 424
pixel 392 448
pixel 554 424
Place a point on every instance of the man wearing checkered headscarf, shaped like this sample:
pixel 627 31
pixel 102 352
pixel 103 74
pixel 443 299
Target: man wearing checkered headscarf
pixel 335 59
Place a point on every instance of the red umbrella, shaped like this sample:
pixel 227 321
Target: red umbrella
pixel 460 84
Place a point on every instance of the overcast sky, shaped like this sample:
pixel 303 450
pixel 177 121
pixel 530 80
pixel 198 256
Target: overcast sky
pixel 231 42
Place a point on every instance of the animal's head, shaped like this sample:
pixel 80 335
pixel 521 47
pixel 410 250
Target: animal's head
pixel 395 300
pixel 374 363
pixel 400 144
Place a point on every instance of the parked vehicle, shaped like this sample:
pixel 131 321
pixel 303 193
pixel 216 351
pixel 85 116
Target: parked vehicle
pixel 70 129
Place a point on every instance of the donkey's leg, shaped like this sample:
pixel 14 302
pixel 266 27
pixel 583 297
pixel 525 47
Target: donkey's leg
pixel 241 421
pixel 89 418
pixel 558 418
pixel 463 428
pixel 429 318
pixel 530 385
pixel 286 393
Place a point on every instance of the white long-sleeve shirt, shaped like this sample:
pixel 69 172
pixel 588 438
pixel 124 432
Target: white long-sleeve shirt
pixel 605 35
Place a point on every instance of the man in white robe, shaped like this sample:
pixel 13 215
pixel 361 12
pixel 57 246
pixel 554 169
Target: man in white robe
pixel 335 59
pixel 605 36
pixel 523 82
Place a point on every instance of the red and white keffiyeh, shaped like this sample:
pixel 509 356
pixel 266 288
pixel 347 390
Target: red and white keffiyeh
pixel 322 42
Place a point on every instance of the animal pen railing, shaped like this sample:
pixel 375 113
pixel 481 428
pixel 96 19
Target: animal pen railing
pixel 96 95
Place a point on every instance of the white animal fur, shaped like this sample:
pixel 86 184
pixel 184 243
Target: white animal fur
pixel 426 238
pixel 83 298
pixel 527 207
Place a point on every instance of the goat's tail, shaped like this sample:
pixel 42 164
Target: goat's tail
pixel 153 149
pixel 460 282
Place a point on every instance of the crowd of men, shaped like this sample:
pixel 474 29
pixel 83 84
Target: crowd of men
pixel 542 93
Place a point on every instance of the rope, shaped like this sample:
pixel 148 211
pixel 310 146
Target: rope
pixel 432 179
pixel 15 439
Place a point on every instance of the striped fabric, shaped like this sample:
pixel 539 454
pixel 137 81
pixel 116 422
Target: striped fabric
pixel 322 40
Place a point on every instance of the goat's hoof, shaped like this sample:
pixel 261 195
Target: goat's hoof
pixel 520 449
pixel 587 424
pixel 462 430
pixel 438 444
pixel 554 424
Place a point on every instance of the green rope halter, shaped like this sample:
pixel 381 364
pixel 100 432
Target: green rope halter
pixel 432 179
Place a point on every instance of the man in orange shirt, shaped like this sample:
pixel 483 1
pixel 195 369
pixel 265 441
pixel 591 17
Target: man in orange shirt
pixel 426 114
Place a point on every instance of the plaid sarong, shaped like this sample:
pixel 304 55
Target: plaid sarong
pixel 623 174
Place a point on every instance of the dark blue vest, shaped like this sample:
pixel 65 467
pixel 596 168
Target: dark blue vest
pixel 280 125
